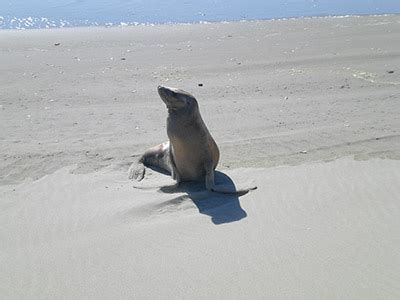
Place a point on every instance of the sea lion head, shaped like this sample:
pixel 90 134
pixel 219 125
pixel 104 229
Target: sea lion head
pixel 177 100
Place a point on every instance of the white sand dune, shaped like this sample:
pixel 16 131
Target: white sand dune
pixel 319 230
pixel 307 110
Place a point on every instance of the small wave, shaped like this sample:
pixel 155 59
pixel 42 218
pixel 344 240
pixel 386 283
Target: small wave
pixel 32 22
pixel 22 23
pixel 43 22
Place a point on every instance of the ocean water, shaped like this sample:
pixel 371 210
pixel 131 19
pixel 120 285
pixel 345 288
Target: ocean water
pixel 24 14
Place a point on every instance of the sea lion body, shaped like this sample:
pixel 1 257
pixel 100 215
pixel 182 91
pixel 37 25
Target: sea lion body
pixel 191 153
pixel 191 144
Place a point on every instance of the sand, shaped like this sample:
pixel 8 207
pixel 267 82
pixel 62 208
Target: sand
pixel 306 109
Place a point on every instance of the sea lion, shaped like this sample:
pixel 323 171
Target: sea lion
pixel 191 153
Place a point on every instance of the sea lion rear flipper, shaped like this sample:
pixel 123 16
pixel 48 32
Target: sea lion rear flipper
pixel 212 187
pixel 137 171
pixel 155 157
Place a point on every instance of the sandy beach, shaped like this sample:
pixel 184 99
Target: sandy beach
pixel 306 109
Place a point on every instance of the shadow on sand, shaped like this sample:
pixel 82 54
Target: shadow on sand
pixel 222 208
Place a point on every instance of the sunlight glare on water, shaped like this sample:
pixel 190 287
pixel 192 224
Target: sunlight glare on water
pixel 23 14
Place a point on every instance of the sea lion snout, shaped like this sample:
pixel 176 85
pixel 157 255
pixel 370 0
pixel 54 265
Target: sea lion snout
pixel 174 98
pixel 165 92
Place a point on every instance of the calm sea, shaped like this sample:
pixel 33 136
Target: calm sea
pixel 24 14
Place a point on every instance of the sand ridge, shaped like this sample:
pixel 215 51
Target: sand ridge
pixel 316 229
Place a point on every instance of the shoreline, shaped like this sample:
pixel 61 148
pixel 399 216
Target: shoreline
pixel 152 24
